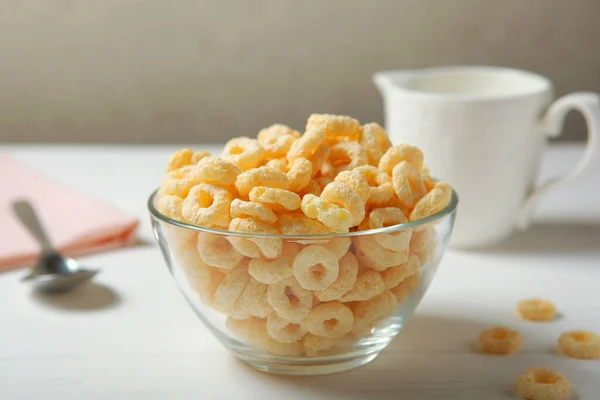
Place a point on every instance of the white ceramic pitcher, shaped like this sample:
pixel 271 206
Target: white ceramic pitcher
pixel 483 129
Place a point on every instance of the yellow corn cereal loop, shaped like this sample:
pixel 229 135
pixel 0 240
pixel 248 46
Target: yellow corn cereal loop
pixel 306 145
pixel 408 185
pixel 379 257
pixel 203 279
pixel 389 216
pixel 279 164
pixel 250 303
pixel 289 300
pixel 246 153
pixel 338 246
pixel 330 320
pixel 312 188
pixel 345 281
pixel 394 275
pixel 323 181
pixel 181 158
pixel 253 331
pixel 230 289
pixel 380 184
pixel 342 195
pixel 243 209
pixel 344 156
pixel 217 171
pixel 270 247
pixel 333 125
pixel 170 206
pixel 180 181
pixel 261 176
pixel 406 287
pixel 368 285
pixel 216 251
pixel 433 202
pixel 279 200
pixel 584 345
pixel 318 346
pixel 369 313
pixel 428 180
pixel 499 341
pixel 375 141
pixel 335 218
pixel 199 155
pixel 273 271
pixel 296 223
pixel 357 182
pixel 277 140
pixel 283 330
pixel 299 174
pixel 318 158
pixel 543 384
pixel 402 152
pixel 315 267
pixel 536 310
pixel 207 205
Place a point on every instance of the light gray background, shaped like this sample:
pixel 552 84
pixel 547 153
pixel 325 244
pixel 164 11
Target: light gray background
pixel 191 71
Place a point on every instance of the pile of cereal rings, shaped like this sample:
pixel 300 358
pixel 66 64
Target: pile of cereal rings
pixel 304 297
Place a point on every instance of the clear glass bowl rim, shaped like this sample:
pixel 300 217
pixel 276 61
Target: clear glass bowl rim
pixel 448 210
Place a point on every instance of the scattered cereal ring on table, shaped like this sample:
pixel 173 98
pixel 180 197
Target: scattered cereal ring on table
pixel 276 140
pixel 216 251
pixel 331 320
pixel 246 153
pixel 584 345
pixel 279 200
pixel 543 384
pixel 179 159
pixel 242 209
pixel 375 141
pixel 306 145
pixel 318 346
pixel 273 271
pixel 536 310
pixel 207 205
pixel 261 176
pixel 254 332
pixel 499 341
pixel 369 313
pixel 289 300
pixel 402 152
pixel 283 330
pixel 348 271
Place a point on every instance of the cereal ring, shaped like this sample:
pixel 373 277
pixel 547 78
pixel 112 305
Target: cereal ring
pixel 406 287
pixel 180 181
pixel 369 313
pixel 217 171
pixel 421 239
pixel 306 145
pixel 344 156
pixel 375 141
pixel 380 183
pixel 333 125
pixel 323 181
pixel 277 140
pixel 279 200
pixel 276 270
pixel 433 202
pixel 338 246
pixel 584 345
pixel 207 205
pixel 199 155
pixel 357 182
pixel 253 331
pixel 335 218
pixel 261 176
pixel 407 182
pixel 368 285
pixel 230 289
pixel 279 164
pixel 394 275
pixel 216 251
pixel 317 346
pixel 315 267
pixel 342 195
pixel 543 384
pixel 289 300
pixel 270 247
pixel 379 258
pixel 330 320
pixel 384 217
pixel 428 180
pixel 246 153
pixel 242 209
pixel 203 279
pixel 536 310
pixel 402 152
pixel 283 330
pixel 312 188
pixel 251 302
pixel 499 341
pixel 181 158
pixel 297 224
pixel 299 174
pixel 318 158
pixel 345 281
pixel 170 206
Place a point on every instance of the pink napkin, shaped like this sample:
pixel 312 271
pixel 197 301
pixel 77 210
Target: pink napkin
pixel 75 223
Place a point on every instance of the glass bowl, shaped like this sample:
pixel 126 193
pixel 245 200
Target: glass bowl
pixel 304 305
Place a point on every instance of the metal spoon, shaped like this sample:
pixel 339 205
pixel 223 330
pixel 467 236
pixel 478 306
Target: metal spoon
pixel 52 272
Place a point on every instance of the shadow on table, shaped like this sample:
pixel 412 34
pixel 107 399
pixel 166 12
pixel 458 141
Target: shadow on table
pixel 552 237
pixel 89 297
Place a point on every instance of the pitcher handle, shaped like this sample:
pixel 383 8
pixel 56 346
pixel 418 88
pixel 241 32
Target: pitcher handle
pixel 588 104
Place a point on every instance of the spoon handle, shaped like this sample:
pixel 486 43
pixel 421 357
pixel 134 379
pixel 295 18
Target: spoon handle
pixel 29 218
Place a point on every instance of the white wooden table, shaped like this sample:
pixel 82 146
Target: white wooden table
pixel 132 336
